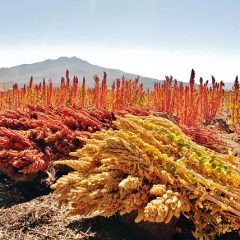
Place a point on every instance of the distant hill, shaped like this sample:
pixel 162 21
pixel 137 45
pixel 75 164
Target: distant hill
pixel 228 85
pixel 55 69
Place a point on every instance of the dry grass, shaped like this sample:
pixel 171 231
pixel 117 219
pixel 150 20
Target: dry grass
pixel 38 219
pixel 26 212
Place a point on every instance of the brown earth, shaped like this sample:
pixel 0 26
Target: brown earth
pixel 28 212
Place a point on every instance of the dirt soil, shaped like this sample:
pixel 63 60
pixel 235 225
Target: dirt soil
pixel 27 213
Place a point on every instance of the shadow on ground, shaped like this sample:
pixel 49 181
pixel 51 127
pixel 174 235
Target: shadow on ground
pixel 12 193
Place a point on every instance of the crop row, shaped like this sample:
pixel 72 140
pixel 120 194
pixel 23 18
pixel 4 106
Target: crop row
pixel 191 104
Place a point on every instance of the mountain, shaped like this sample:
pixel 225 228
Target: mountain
pixel 55 69
pixel 228 85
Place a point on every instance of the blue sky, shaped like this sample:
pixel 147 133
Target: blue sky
pixel 149 37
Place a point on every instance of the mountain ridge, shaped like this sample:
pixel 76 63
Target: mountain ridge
pixel 55 69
